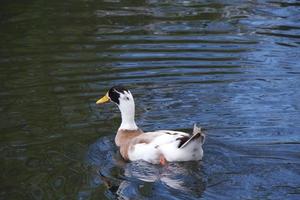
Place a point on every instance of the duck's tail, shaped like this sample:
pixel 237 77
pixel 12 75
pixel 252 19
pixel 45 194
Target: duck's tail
pixel 197 134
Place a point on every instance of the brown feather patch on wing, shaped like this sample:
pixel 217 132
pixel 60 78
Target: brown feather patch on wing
pixel 125 138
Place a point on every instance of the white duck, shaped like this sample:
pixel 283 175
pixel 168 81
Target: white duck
pixel 154 147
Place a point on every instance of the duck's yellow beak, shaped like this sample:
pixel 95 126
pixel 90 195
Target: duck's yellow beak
pixel 103 99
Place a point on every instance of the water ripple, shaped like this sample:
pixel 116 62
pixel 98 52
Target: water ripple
pixel 231 67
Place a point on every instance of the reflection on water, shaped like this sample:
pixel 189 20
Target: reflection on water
pixel 140 179
pixel 230 66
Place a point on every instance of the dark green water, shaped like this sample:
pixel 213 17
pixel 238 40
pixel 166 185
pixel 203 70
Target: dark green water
pixel 231 66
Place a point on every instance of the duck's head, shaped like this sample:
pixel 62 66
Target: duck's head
pixel 116 94
pixel 124 99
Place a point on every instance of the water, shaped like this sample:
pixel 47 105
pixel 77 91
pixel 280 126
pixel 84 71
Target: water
pixel 230 66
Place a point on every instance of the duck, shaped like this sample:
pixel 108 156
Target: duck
pixel 156 147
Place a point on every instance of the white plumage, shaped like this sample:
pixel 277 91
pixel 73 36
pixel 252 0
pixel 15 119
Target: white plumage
pixel 154 147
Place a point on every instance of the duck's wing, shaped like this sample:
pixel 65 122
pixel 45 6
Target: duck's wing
pixel 186 141
pixel 197 133
pixel 147 146
pixel 173 145
pixel 183 138
pixel 162 137
pixel 182 146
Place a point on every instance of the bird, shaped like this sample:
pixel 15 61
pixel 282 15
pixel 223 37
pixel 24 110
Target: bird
pixel 156 147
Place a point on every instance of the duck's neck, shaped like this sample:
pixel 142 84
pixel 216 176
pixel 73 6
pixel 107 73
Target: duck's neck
pixel 127 109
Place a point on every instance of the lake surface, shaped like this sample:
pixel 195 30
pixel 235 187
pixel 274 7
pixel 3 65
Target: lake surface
pixel 232 67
